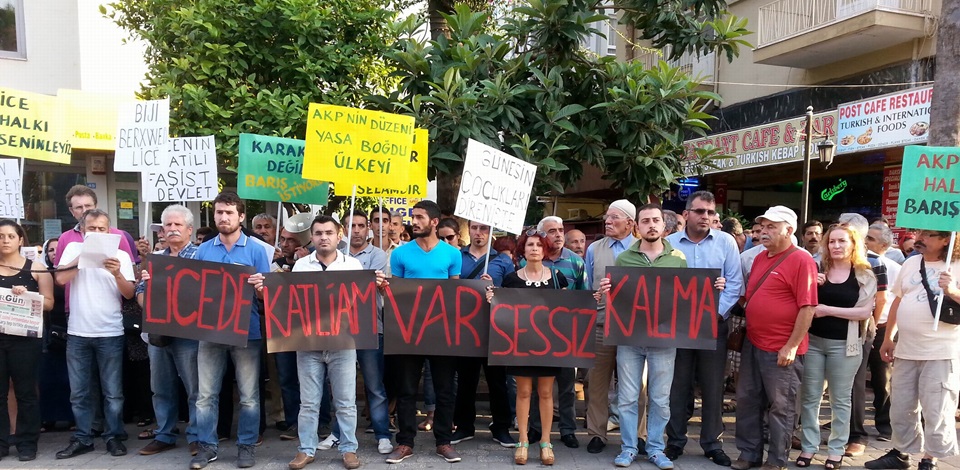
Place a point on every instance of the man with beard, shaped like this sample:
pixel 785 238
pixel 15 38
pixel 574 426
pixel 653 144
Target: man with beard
pixel 474 257
pixel 177 360
pixel 704 247
pixel 618 224
pixel 291 249
pixel 425 258
pixel 812 232
pixel 576 241
pixel 231 246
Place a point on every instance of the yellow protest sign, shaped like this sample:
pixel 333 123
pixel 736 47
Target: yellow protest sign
pixel 416 187
pixel 31 126
pixel 91 118
pixel 350 146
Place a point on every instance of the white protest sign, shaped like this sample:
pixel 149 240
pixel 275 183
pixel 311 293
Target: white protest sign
pixel 21 315
pixel 188 172
pixel 495 188
pixel 11 189
pixel 142 134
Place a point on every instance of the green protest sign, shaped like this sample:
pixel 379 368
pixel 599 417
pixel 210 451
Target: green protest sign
pixel 929 193
pixel 269 170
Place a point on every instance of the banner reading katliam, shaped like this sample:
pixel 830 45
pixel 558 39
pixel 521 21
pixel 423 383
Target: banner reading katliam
pixel 929 193
pixel 199 300
pixel 269 170
pixel 495 188
pixel 142 134
pixel 189 172
pixel 21 315
pixel 32 126
pixel 11 189
pixel 350 146
pixel 321 311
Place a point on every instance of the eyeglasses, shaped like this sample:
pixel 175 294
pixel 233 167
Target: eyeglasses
pixel 534 231
pixel 934 234
pixel 449 238
pixel 703 211
pixel 614 218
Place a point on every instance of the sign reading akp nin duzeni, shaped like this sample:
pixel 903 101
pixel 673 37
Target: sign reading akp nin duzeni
pixel 349 146
pixel 929 193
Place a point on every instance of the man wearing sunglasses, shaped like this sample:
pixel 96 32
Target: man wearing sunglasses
pixel 704 247
pixel 618 225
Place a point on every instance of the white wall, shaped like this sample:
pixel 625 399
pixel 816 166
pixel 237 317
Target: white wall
pixel 53 51
pixel 107 64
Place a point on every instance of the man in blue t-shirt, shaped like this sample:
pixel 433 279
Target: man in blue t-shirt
pixel 233 247
pixel 425 257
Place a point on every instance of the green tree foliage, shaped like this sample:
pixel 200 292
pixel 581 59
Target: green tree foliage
pixel 524 83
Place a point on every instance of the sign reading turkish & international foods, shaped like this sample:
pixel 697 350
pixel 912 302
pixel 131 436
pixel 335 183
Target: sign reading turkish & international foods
pixel 891 120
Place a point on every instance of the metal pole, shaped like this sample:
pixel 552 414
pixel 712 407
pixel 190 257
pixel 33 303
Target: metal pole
pixel 807 148
pixel 349 218
pixel 23 169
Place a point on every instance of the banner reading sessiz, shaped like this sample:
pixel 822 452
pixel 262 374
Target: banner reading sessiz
pixel 199 300
pixel 542 327
pixel 929 192
pixel 436 317
pixel 662 307
pixel 321 311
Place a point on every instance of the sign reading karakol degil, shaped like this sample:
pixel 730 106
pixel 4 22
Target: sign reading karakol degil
pixel 270 168
pixel 769 144
pixel 890 120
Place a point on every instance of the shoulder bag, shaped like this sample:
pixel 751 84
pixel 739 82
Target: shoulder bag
pixel 736 337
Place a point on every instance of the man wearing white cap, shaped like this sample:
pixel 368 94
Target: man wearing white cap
pixel 781 295
pixel 618 225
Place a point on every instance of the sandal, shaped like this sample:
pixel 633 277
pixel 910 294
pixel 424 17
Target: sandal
pixel 833 464
pixel 520 455
pixel 546 453
pixel 147 434
pixel 144 422
pixel 804 462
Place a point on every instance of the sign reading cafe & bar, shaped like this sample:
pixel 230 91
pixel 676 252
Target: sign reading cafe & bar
pixel 769 144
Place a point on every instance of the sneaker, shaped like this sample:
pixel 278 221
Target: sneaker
pixel 329 443
pixel 384 446
pixel 891 460
pixel 246 456
pixel 290 434
pixel 503 437
pixel 661 461
pixel 368 430
pixel 624 459
pixel 204 456
pixel 399 453
pixel 460 436
pixel 448 453
pixel 612 425
pixel 927 464
pixel 115 447
pixel 883 438
pixel 673 452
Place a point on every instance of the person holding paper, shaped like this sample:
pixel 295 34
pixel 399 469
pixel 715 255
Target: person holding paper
pixel 20 355
pixel 231 246
pixel 95 333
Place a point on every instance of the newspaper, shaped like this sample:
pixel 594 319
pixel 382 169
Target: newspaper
pixel 21 315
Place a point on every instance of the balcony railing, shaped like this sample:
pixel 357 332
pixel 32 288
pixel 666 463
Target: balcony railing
pixel 786 18
pixel 693 65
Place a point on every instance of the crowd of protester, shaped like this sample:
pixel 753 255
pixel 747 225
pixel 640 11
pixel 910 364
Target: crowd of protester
pixel 822 303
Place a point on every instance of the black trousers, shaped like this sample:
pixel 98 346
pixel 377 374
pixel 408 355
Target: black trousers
pixel 468 378
pixel 880 383
pixel 858 402
pixel 20 361
pixel 407 369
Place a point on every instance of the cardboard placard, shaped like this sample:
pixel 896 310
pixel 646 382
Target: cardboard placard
pixel 434 317
pixel 199 300
pixel 495 188
pixel 351 146
pixel 11 189
pixel 662 307
pixel 321 311
pixel 32 126
pixel 189 174
pixel 269 170
pixel 929 189
pixel 542 327
pixel 417 172
pixel 142 133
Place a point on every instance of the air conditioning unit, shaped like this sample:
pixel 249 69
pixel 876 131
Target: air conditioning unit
pixel 576 214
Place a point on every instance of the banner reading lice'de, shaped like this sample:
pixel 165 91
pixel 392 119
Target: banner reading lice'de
pixel 350 146
pixel 32 126
pixel 929 189
pixel 495 188
pixel 190 172
pixel 269 170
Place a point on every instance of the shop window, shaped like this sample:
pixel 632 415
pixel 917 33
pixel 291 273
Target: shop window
pixel 12 37
pixel 46 213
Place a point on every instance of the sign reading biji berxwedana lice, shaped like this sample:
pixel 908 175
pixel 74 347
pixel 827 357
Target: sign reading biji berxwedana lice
pixel 929 189
pixel 495 188
pixel 142 132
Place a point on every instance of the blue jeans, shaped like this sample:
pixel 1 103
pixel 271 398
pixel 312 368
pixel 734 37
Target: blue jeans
pixel 827 359
pixel 630 364
pixel 211 364
pixel 314 367
pixel 168 365
pixel 289 385
pixel 106 355
pixel 372 368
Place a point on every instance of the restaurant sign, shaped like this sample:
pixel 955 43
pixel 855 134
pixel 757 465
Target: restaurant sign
pixel 765 145
pixel 891 120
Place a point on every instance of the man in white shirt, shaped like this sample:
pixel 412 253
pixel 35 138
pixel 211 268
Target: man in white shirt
pixel 95 337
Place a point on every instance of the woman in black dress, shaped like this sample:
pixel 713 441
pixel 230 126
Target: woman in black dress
pixel 20 355
pixel 533 247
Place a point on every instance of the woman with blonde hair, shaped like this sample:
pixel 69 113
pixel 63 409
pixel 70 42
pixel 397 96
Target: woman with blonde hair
pixel 847 287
